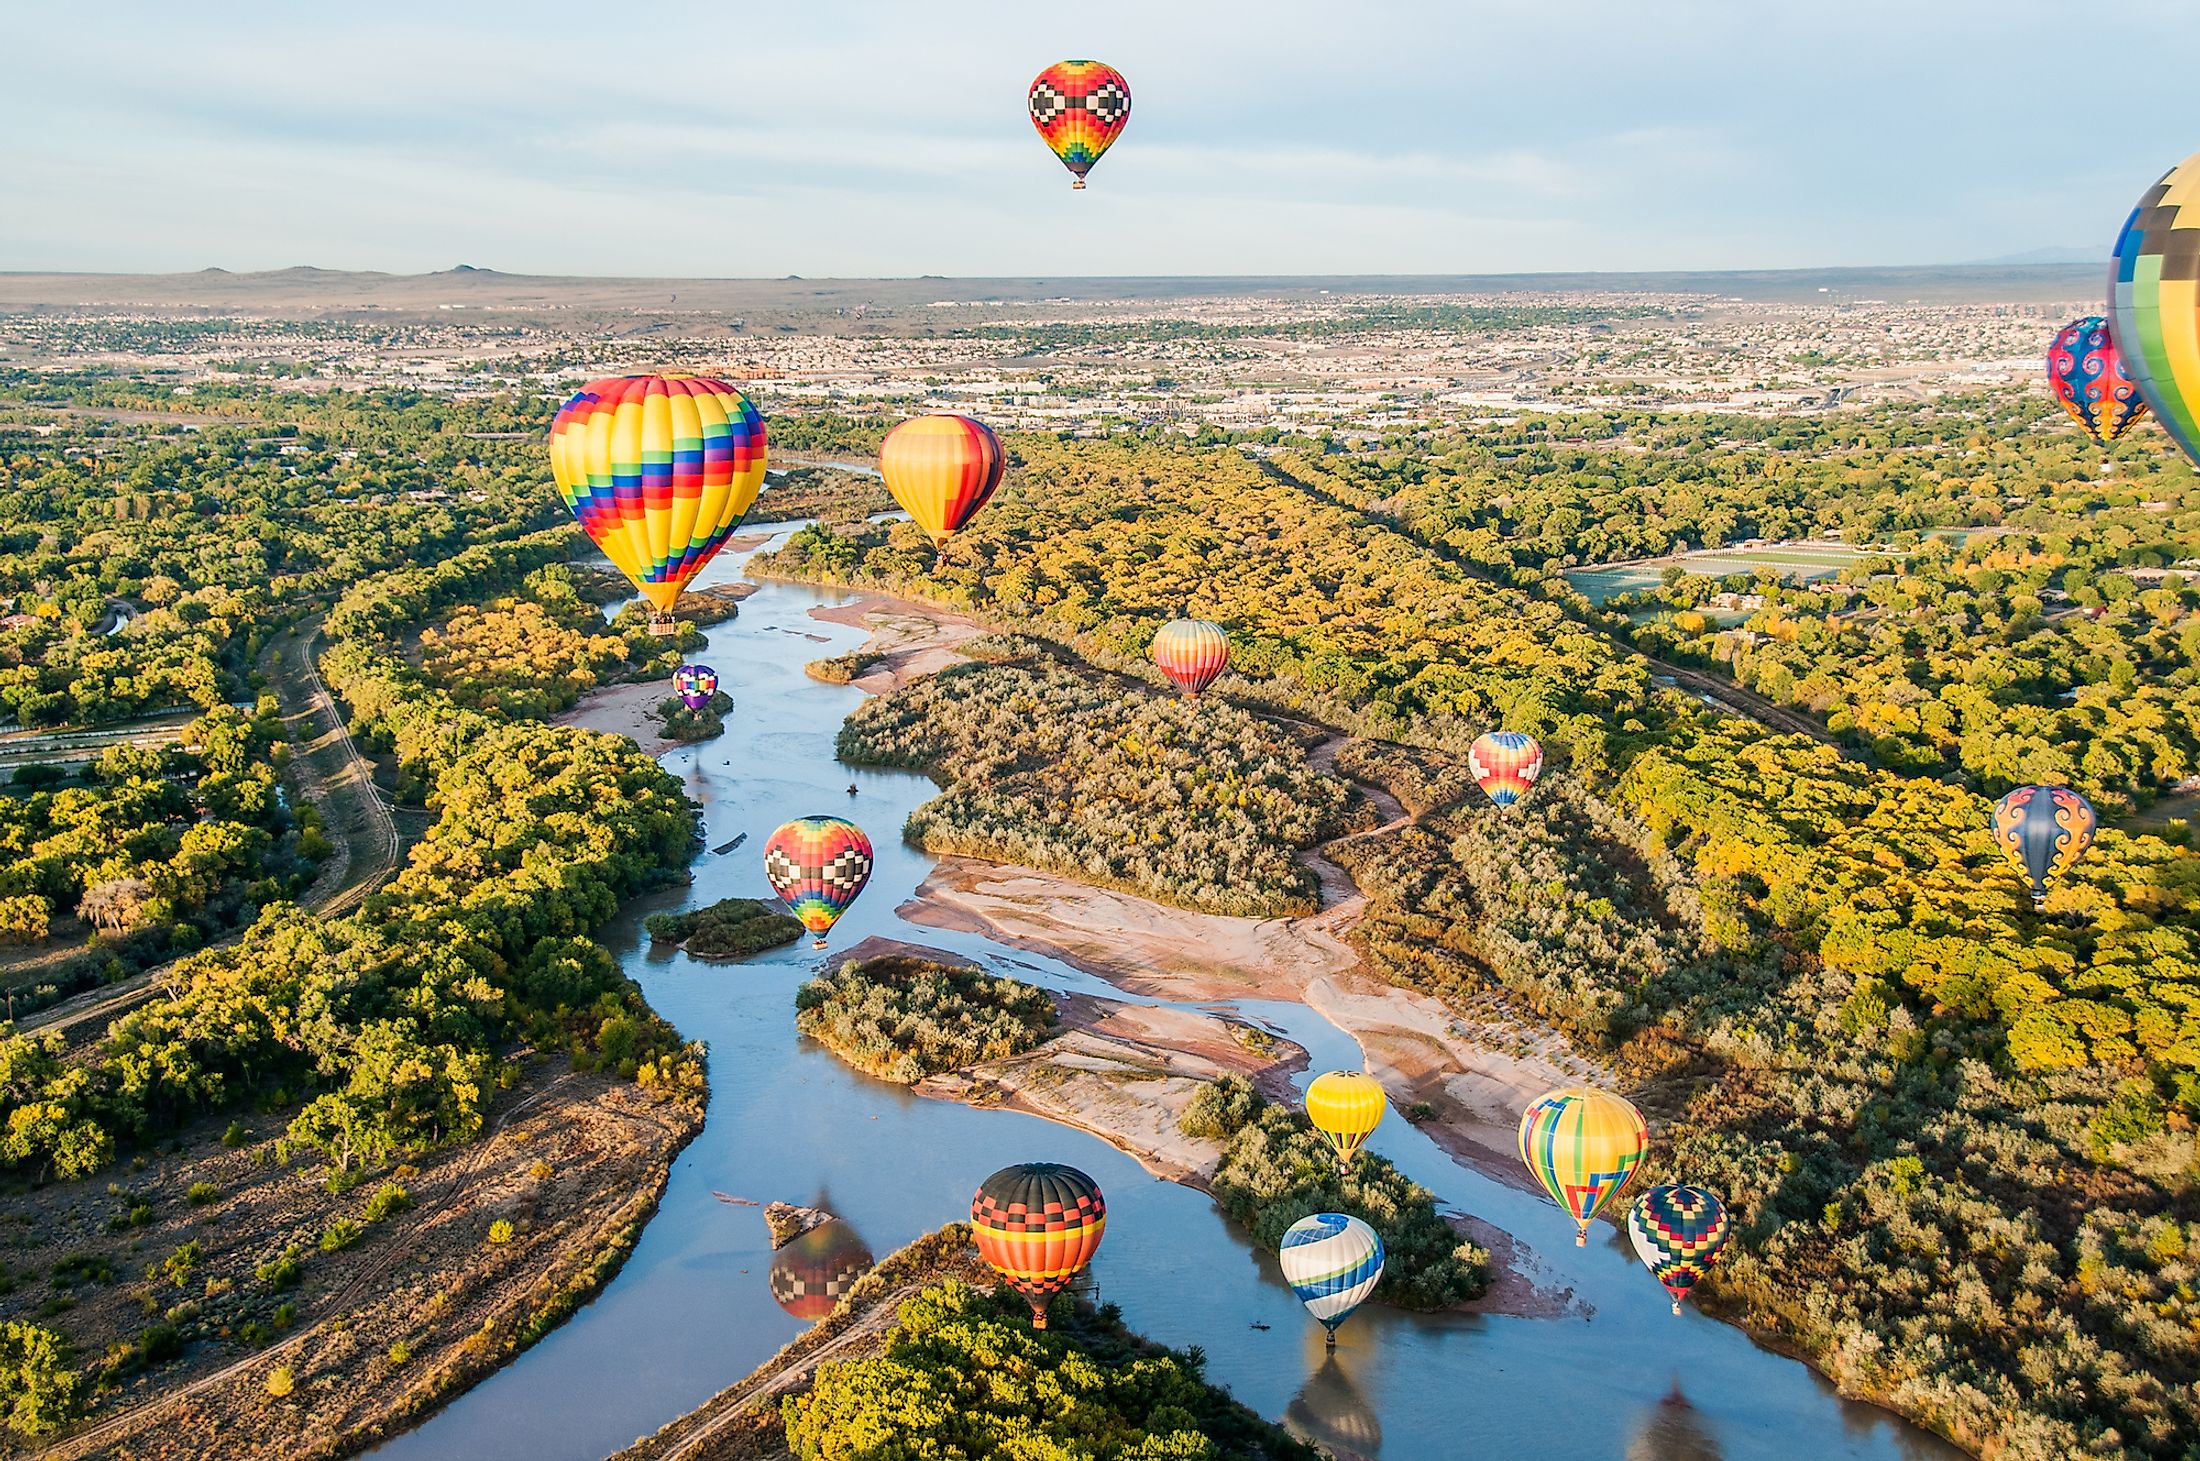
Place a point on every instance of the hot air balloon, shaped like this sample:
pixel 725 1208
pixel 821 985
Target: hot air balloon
pixel 1191 652
pixel 2087 375
pixel 811 1275
pixel 1080 108
pixel 818 865
pixel 1678 1232
pixel 1345 1106
pixel 1505 764
pixel 1582 1145
pixel 941 469
pixel 658 470
pixel 2154 302
pixel 1038 1224
pixel 695 685
pixel 1332 1262
pixel 2044 829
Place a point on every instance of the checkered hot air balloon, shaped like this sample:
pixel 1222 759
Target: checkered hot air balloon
pixel 818 865
pixel 1332 1262
pixel 695 685
pixel 941 469
pixel 1678 1232
pixel 811 1275
pixel 1583 1146
pixel 1080 108
pixel 658 471
pixel 2087 374
pixel 2154 301
pixel 1345 1106
pixel 1191 652
pixel 2043 829
pixel 1038 1224
pixel 1505 764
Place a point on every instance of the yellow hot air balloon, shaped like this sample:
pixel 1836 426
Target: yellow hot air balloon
pixel 1345 1106
pixel 941 469
pixel 1583 1146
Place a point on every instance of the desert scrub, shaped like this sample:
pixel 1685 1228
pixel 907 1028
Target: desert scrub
pixel 389 1200
pixel 726 929
pixel 902 1019
pixel 838 670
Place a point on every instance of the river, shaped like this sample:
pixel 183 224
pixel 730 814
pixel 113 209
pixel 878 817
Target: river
pixel 692 1310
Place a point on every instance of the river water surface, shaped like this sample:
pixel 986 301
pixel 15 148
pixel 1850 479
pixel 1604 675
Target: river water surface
pixel 692 1311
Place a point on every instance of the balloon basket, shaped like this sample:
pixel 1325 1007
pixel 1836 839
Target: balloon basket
pixel 1581 1238
pixel 817 944
pixel 1077 185
pixel 1676 1308
pixel 1329 1341
pixel 662 624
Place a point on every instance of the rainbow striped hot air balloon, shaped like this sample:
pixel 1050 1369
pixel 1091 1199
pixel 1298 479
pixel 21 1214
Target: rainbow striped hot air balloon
pixel 818 865
pixel 1038 1224
pixel 1345 1106
pixel 1191 652
pixel 941 469
pixel 1332 1262
pixel 2043 829
pixel 658 471
pixel 1505 764
pixel 1080 108
pixel 2154 301
pixel 695 685
pixel 1583 1146
pixel 1678 1232
pixel 2087 374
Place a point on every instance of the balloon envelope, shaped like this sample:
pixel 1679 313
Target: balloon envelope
pixel 2043 830
pixel 1505 764
pixel 1080 108
pixel 2154 301
pixel 941 469
pixel 2087 374
pixel 818 865
pixel 1038 1224
pixel 1678 1232
pixel 1191 652
pixel 695 685
pixel 1332 1262
pixel 1583 1146
pixel 658 471
pixel 1345 1106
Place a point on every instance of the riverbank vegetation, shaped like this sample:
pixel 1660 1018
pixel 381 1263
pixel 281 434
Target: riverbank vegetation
pixel 1198 804
pixel 727 929
pixel 902 1019
pixel 1276 1169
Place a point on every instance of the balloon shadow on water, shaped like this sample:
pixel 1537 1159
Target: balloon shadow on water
pixel 811 1275
pixel 1331 1411
pixel 1672 1430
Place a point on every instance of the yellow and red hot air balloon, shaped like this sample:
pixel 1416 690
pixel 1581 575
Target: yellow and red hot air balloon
pixel 658 471
pixel 941 469
pixel 1345 1106
pixel 1038 1224
pixel 1505 764
pixel 1191 652
pixel 2086 373
pixel 1583 1146
pixel 1080 108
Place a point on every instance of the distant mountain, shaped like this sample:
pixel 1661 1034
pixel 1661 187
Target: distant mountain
pixel 2058 255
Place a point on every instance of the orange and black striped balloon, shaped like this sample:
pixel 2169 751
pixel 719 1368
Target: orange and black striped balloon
pixel 941 469
pixel 1038 1224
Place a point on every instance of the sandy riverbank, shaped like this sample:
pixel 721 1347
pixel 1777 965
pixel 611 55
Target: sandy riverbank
pixel 624 710
pixel 907 640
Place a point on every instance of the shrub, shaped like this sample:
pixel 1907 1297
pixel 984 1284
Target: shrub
pixel 40 1387
pixel 389 1200
pixel 201 1193
pixel 281 1381
pixel 236 1135
pixel 339 1235
pixel 282 1271
pixel 501 1231
pixel 726 929
pixel 177 1266
pixel 1220 1108
pixel 902 1019
pixel 400 1353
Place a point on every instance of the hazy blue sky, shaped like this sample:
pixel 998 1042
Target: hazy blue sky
pixel 821 138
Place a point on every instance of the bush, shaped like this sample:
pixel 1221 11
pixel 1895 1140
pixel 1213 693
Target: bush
pixel 199 1194
pixel 1220 1108
pixel 40 1388
pixel 902 1019
pixel 339 1235
pixel 283 1271
pixel 501 1231
pixel 840 669
pixel 177 1266
pixel 400 1353
pixel 281 1381
pixel 726 929
pixel 388 1201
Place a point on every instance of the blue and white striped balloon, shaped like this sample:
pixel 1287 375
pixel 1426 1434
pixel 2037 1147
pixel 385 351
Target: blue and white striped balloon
pixel 1332 1262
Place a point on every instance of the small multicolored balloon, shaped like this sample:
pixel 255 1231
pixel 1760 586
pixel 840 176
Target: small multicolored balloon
pixel 818 865
pixel 1080 108
pixel 941 469
pixel 1332 1262
pixel 1583 1146
pixel 1038 1224
pixel 1191 652
pixel 658 470
pixel 2087 374
pixel 1678 1232
pixel 1505 764
pixel 2154 302
pixel 1345 1106
pixel 2044 830
pixel 695 685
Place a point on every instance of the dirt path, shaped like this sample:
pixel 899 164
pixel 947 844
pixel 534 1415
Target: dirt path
pixel 1341 898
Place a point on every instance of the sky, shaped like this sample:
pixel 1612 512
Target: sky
pixel 855 139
